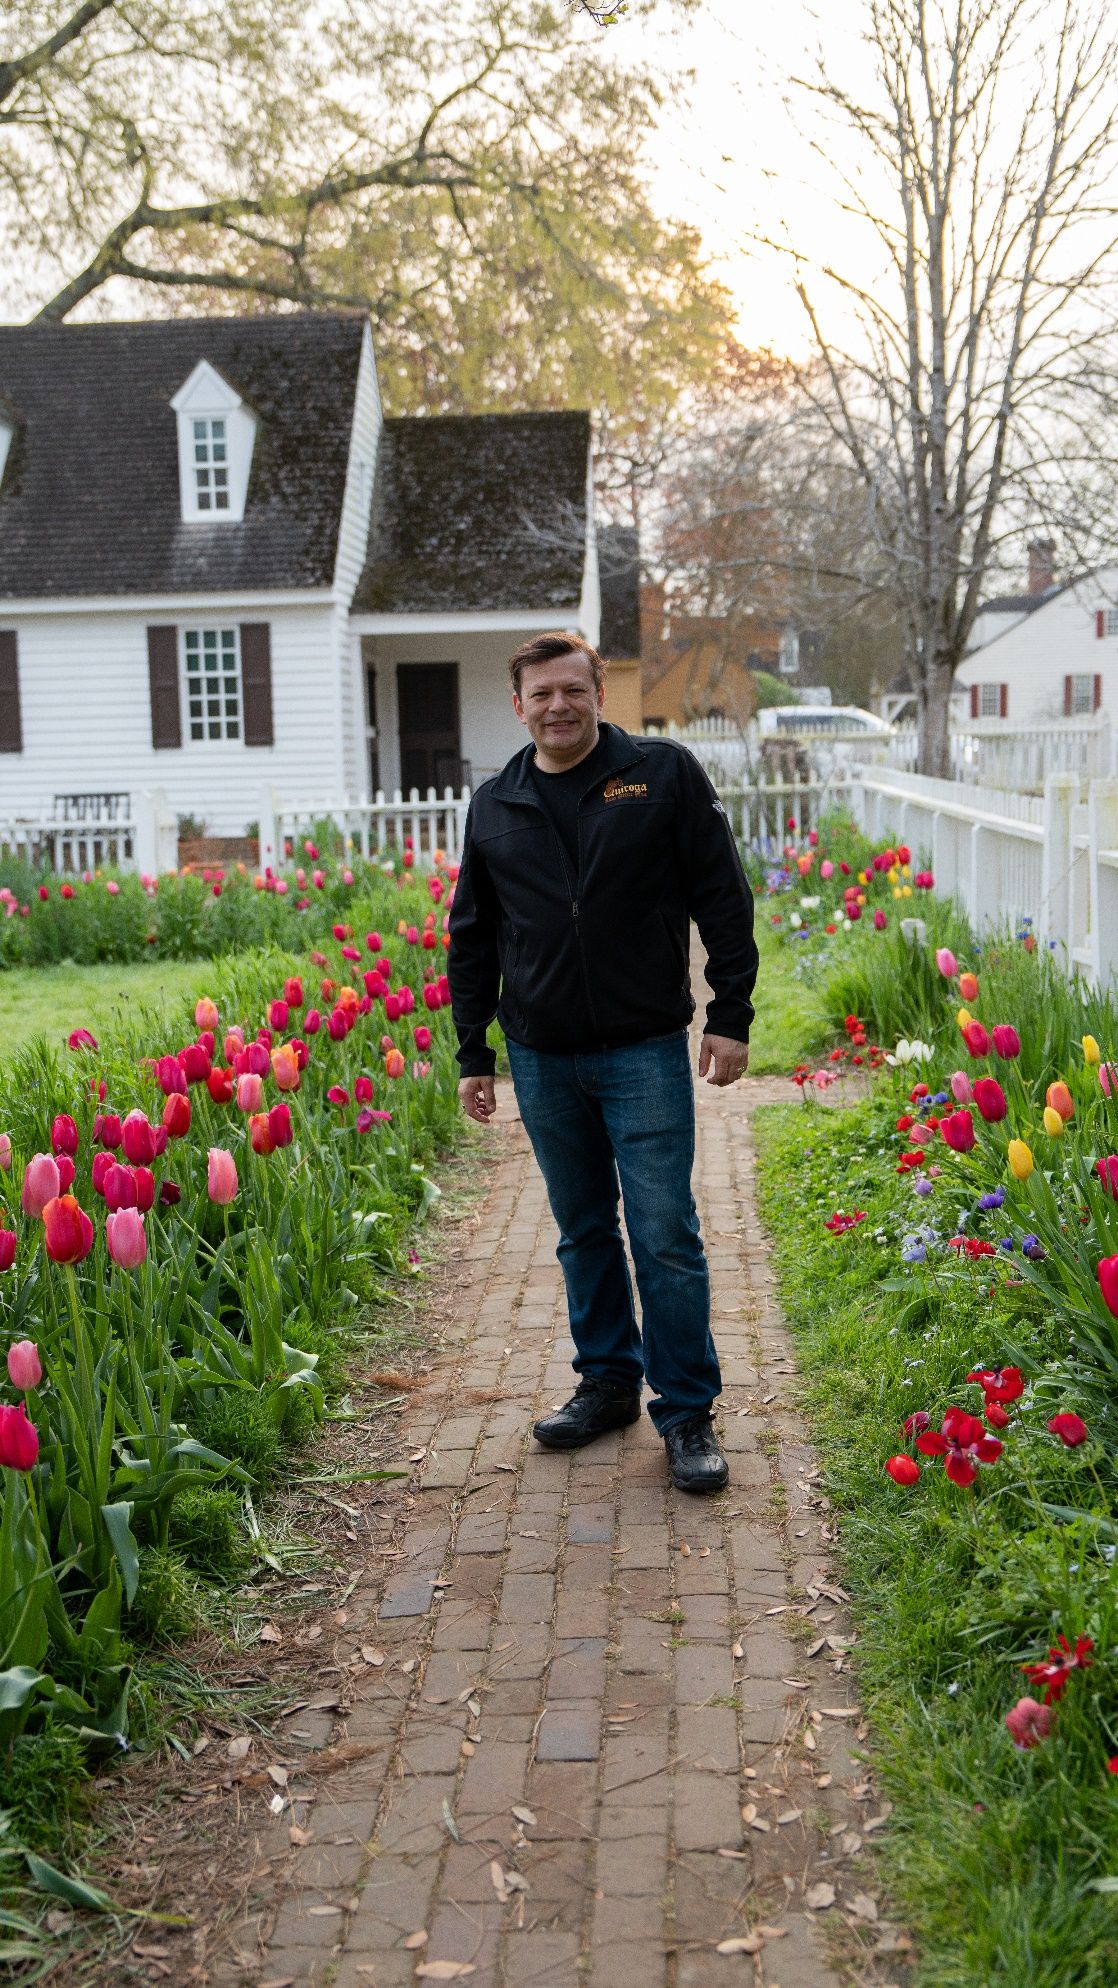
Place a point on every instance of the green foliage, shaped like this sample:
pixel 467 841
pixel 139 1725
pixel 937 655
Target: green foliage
pixel 207 1529
pixel 165 1608
pixel 44 1775
pixel 771 693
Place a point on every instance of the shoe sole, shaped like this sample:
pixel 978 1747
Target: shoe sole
pixel 699 1490
pixel 580 1442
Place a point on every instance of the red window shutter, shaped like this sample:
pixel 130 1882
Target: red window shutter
pixel 974 700
pixel 11 728
pixel 1096 699
pixel 163 679
pixel 256 682
pixel 1069 696
pixel 1003 700
pixel 1100 623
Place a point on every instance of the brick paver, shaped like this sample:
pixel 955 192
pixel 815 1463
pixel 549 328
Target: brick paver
pixel 613 1725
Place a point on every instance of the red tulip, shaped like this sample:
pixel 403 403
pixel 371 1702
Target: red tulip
pixel 219 1083
pixel 337 1025
pixel 1108 1283
pixel 260 1133
pixel 1029 1723
pixel 312 1022
pixel 176 1115
pixel 300 1051
pixel 363 1090
pixel 337 1095
pixel 431 998
pixel 169 1194
pixel 1071 1429
pixel 423 1037
pixel 67 1230
pixel 196 1062
pixel 976 1038
pixel 990 1099
pixel 63 1135
pixel 101 1165
pixel 119 1187
pixel 145 1188
pixel 958 1130
pixel 41 1184
pixel 221 1176
pixel 277 1015
pixel 127 1242
pixel 1107 1170
pixel 170 1074
pixel 1007 1042
pixel 65 1167
pixel 106 1130
pixel 903 1469
pixel 280 1129
pixel 138 1139
pixel 19 1439
pixel 8 1242
pixel 373 941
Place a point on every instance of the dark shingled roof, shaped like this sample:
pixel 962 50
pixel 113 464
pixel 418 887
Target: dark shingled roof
pixel 90 498
pixel 477 511
pixel 619 573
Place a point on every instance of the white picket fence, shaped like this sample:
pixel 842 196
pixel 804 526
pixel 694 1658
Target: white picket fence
pixel 141 834
pixel 381 827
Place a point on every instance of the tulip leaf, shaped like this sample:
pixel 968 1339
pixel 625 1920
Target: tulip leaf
pixel 73 1890
pixel 117 1524
pixel 17 1685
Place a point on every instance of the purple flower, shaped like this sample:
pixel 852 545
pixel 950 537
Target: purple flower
pixel 992 1200
pixel 922 1187
pixel 1031 1245
pixel 1007 1243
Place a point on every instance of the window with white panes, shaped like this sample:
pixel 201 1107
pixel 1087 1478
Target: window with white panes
pixel 989 700
pixel 212 668
pixel 1082 696
pixel 1110 620
pixel 211 464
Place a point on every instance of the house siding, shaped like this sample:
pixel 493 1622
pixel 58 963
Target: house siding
pixel 86 711
pixel 1056 641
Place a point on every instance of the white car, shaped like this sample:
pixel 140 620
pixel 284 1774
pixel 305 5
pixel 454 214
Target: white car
pixel 812 721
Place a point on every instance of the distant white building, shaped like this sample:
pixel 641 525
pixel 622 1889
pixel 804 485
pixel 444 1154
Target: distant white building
pixel 223 571
pixel 1049 654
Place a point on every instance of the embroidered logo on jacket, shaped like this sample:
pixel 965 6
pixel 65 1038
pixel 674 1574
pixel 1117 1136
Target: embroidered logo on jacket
pixel 621 790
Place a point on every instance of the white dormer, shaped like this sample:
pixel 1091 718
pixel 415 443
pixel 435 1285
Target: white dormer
pixel 7 431
pixel 216 436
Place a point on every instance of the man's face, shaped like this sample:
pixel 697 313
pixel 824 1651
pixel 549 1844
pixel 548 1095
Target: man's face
pixel 560 705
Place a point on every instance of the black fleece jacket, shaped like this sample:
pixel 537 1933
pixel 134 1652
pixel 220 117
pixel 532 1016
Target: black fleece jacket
pixel 600 960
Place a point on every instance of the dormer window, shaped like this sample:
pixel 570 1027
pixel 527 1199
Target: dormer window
pixel 211 464
pixel 216 436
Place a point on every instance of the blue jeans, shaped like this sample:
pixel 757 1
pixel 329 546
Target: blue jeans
pixel 626 1118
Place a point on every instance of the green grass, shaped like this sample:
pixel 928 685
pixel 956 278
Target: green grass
pixel 53 1000
pixel 991 1854
pixel 791 1025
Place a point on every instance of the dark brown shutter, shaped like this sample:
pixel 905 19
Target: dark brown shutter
pixel 1100 623
pixel 1096 699
pixel 1003 700
pixel 163 678
pixel 11 729
pixel 1069 697
pixel 974 700
pixel 256 682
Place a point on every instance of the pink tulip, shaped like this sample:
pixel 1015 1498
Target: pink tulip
pixel 19 1440
pixel 63 1136
pixel 921 1135
pixel 946 962
pixel 25 1369
pixel 960 1087
pixel 958 1131
pixel 5 1152
pixel 1029 1723
pixel 879 920
pixel 221 1176
pixel 250 1092
pixel 118 1185
pixel 277 1014
pixel 8 1245
pixel 41 1183
pixel 234 1043
pixel 1108 1075
pixel 205 1013
pixel 124 1233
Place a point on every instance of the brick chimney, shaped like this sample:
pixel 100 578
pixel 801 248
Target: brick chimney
pixel 1042 565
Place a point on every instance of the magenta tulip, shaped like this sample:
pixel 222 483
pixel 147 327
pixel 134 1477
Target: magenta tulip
pixel 19 1440
pixel 990 1099
pixel 169 1074
pixel 119 1187
pixel 8 1245
pixel 1007 1042
pixel 1108 1283
pixel 127 1241
pixel 65 1167
pixel 138 1139
pixel 5 1152
pixel 280 1129
pixel 63 1136
pixel 25 1369
pixel 41 1183
pixel 1107 1170
pixel 145 1188
pixel 101 1165
pixel 107 1130
pixel 221 1176
pixel 958 1130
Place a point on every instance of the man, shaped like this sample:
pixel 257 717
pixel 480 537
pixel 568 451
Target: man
pixel 584 861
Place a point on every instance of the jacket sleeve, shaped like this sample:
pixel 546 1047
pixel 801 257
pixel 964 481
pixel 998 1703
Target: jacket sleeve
pixel 474 961
pixel 720 901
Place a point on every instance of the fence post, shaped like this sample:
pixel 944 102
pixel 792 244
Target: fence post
pixel 270 850
pixel 165 823
pixel 1102 829
pixel 1061 792
pixel 145 834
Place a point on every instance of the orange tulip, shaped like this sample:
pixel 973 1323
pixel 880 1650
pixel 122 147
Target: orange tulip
pixel 285 1068
pixel 968 986
pixel 259 1132
pixel 394 1064
pixel 67 1230
pixel 1059 1098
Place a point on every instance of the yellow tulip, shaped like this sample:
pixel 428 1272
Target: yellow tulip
pixel 1053 1123
pixel 906 870
pixel 964 1018
pixel 1020 1159
pixel 906 889
pixel 1091 1051
pixel 896 890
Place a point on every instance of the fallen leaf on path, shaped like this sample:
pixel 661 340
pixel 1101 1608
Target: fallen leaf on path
pixel 277 1805
pixel 371 1656
pixel 790 1815
pixel 876 1821
pixel 450 1825
pixel 704 1553
pixel 299 1838
pixel 444 1970
pixel 750 1943
pixel 819 1896
pixel 824 1780
pixel 737 1652
pixel 278 1775
pixel 842 1711
pixel 238 1748
pixel 863 1906
pixel 685 1550
pixel 324 1911
pixel 523 1814
pixel 820 1643
pixel 772 1932
pixel 416 1940
pixel 738 1856
pixel 270 1634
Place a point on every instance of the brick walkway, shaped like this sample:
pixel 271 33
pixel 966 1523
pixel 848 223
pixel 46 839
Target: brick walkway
pixel 599 1726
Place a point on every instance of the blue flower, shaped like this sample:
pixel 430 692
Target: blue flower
pixel 915 1253
pixel 922 1187
pixel 939 1098
pixel 1032 1248
pixel 992 1200
pixel 1007 1243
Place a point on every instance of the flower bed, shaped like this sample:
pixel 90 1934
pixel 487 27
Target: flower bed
pixel 948 1251
pixel 184 1224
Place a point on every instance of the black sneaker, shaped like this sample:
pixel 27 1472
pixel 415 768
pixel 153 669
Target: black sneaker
pixel 695 1459
pixel 595 1407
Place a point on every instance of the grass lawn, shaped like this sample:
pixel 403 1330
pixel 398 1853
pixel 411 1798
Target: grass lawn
pixel 791 1026
pixel 993 1856
pixel 53 1000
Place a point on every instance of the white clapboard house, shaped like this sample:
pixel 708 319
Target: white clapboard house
pixel 223 571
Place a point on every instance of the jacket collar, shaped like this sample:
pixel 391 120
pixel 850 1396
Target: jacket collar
pixel 515 783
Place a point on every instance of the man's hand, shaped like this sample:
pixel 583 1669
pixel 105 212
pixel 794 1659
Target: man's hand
pixel 724 1059
pixel 478 1098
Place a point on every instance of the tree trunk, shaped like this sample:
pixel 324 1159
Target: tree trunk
pixel 934 743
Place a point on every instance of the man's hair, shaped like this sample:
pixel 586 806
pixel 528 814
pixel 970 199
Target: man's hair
pixel 548 649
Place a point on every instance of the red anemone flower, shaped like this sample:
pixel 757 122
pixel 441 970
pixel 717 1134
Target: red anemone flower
pixel 1071 1429
pixel 1058 1666
pixel 963 1443
pixel 1001 1384
pixel 903 1470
